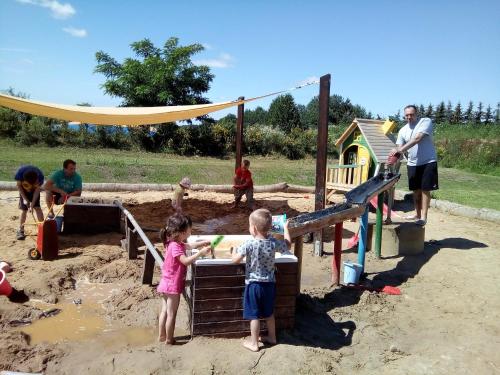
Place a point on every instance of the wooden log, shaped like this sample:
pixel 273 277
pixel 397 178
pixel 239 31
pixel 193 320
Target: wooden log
pixel 132 243
pixel 274 188
pixel 148 268
pixel 299 189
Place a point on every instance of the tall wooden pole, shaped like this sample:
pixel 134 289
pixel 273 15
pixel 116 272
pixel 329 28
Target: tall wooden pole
pixel 319 203
pixel 239 133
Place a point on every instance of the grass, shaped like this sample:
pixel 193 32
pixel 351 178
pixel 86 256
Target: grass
pixel 469 189
pixel 104 165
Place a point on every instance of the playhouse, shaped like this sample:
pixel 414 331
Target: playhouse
pixel 363 147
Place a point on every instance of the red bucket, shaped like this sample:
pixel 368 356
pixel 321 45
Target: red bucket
pixel 5 287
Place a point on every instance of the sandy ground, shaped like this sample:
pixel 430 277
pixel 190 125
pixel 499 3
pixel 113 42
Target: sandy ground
pixel 446 321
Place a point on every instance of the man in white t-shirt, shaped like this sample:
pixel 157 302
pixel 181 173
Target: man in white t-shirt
pixel 415 138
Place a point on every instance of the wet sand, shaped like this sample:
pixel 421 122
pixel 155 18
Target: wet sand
pixel 445 321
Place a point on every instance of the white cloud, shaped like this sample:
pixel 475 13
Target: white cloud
pixel 58 10
pixel 225 60
pixel 207 46
pixel 78 33
pixel 308 80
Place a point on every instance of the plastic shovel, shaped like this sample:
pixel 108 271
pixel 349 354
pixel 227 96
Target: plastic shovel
pixel 386 289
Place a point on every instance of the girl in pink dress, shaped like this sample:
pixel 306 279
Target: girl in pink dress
pixel 173 273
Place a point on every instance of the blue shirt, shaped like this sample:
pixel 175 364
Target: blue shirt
pixel 423 152
pixel 260 258
pixel 21 171
pixel 67 183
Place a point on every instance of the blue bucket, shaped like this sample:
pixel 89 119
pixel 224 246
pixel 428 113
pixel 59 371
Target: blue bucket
pixel 59 222
pixel 352 272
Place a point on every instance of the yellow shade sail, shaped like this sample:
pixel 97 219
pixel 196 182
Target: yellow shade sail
pixel 130 116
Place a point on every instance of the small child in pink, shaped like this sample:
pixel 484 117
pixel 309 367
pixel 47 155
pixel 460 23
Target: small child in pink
pixel 173 273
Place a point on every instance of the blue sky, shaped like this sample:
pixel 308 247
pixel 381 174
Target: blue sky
pixel 381 54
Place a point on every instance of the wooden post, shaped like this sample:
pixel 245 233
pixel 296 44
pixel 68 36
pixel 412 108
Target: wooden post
pixel 378 228
pixel 239 133
pixel 149 267
pixel 322 143
pixel 337 253
pixel 297 251
pixel 363 236
pixel 131 243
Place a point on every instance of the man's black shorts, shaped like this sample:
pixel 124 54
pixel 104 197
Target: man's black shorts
pixel 29 195
pixel 423 177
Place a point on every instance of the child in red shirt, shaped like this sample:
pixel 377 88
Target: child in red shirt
pixel 243 184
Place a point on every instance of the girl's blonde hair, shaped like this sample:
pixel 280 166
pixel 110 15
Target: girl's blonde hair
pixel 176 224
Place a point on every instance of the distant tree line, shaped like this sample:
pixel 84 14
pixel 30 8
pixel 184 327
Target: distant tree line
pixel 167 76
pixel 449 114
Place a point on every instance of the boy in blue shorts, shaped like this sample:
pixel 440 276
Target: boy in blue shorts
pixel 260 283
pixel 29 180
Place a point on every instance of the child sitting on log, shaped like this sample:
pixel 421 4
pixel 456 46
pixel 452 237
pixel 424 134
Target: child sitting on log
pixel 243 184
pixel 179 193
pixel 260 282
pixel 173 272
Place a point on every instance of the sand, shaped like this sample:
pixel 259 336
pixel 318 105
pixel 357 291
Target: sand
pixel 446 321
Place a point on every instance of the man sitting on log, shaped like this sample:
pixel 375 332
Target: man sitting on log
pixel 63 184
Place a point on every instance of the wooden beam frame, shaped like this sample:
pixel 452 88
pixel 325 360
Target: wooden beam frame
pixel 239 133
pixel 322 143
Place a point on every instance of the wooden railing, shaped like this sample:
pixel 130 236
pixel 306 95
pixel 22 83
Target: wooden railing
pixel 344 176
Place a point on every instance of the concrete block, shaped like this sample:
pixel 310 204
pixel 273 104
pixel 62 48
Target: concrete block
pixel 402 239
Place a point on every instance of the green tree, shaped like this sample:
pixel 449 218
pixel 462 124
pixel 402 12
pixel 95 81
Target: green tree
pixel 156 77
pixel 12 121
pixel 429 112
pixel 283 113
pixel 478 115
pixel 421 110
pixel 440 113
pixel 456 118
pixel 449 112
pixel 469 113
pixel 488 115
pixel 497 114
pixel 256 116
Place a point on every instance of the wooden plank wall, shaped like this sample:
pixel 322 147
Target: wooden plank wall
pixel 80 218
pixel 216 299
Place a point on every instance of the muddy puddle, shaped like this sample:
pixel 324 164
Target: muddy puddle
pixel 212 226
pixel 80 316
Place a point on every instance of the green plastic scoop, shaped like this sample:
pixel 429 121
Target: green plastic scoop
pixel 216 241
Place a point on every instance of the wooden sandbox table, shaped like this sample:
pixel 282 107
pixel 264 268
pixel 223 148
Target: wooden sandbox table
pixel 215 292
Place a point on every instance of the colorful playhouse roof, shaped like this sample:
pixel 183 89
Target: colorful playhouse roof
pixel 377 134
